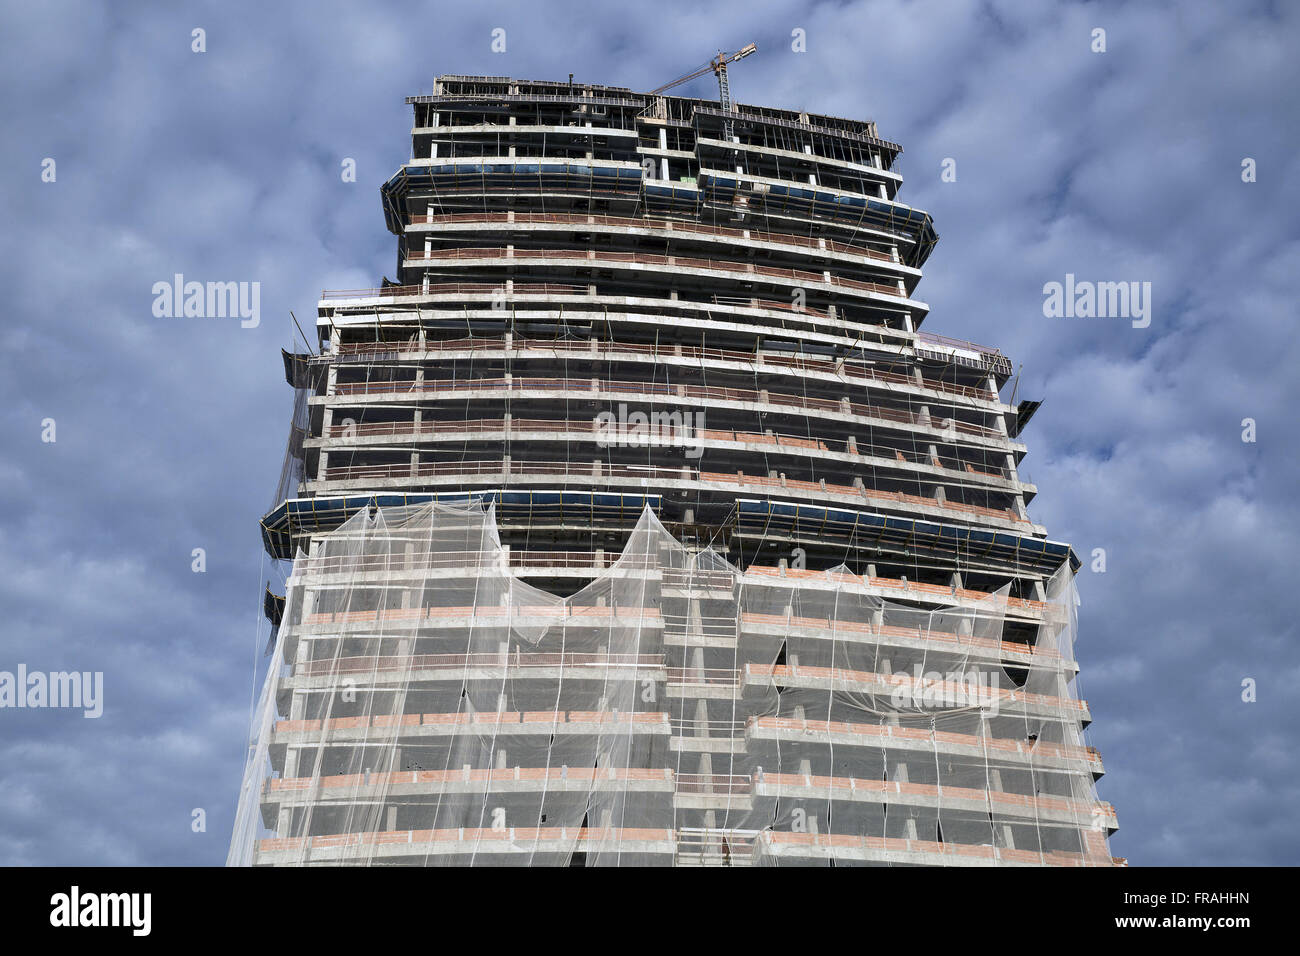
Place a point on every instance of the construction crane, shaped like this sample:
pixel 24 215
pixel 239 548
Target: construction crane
pixel 718 65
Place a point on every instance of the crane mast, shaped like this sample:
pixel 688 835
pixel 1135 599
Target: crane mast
pixel 718 66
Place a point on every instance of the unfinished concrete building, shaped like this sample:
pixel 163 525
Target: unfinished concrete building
pixel 639 522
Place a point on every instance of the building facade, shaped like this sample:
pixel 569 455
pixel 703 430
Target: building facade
pixel 638 521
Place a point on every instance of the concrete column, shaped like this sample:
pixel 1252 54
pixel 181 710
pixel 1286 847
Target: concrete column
pixel 909 825
pixel 694 617
pixel 706 770
pixel 327 422
pixel 701 718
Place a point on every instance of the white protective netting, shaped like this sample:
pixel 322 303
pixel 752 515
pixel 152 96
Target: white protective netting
pixel 426 706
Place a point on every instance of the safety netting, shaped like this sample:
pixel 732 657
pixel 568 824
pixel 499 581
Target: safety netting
pixel 426 706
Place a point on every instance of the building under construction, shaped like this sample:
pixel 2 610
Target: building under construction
pixel 639 522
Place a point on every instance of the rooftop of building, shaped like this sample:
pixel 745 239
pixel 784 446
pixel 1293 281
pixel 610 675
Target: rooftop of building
pixel 450 87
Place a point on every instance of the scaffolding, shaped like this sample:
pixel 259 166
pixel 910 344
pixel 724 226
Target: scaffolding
pixel 677 710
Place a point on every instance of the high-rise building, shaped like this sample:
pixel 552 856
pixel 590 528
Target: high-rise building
pixel 639 522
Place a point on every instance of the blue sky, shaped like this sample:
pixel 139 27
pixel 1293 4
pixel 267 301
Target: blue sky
pixel 1124 165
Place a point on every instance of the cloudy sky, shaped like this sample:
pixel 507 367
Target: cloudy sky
pixel 1122 165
